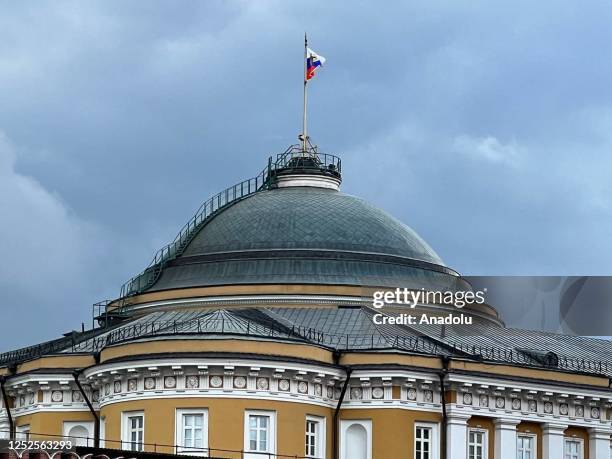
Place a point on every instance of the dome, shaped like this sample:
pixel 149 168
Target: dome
pixel 309 218
pixel 306 235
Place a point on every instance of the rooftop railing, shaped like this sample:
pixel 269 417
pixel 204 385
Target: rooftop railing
pixel 339 342
pixel 292 157
pixel 232 327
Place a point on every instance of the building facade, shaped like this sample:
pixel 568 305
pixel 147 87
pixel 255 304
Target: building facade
pixel 254 335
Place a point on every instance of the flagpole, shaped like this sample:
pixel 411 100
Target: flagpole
pixel 304 125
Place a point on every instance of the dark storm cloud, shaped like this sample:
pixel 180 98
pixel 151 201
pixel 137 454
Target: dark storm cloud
pixel 486 127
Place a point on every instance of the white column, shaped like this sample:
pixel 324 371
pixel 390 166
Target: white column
pixel 4 425
pixel 552 440
pixel 505 438
pixel 599 443
pixel 456 435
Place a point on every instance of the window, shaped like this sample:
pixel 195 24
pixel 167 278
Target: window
pixel 260 432
pixel 133 431
pixel 315 437
pixel 22 432
pixel 526 447
pixel 422 446
pixel 572 449
pixel 192 431
pixel 477 444
pixel 425 441
pixel 102 431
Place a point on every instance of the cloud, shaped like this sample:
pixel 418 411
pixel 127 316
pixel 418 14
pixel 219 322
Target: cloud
pixel 488 148
pixel 494 208
pixel 485 126
pixel 49 254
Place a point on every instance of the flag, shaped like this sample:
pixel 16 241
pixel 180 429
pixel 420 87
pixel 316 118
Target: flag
pixel 313 60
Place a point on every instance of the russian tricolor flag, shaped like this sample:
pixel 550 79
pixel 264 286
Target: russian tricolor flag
pixel 313 61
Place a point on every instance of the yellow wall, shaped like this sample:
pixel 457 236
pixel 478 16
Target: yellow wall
pixel 392 429
pixel 60 361
pixel 51 423
pixel 246 346
pixel 226 422
pixel 522 372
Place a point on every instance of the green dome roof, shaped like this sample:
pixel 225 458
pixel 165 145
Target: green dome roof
pixel 311 235
pixel 309 218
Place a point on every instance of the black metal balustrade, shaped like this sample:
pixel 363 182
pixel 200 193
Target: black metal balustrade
pixel 293 158
pixel 84 343
pixel 114 449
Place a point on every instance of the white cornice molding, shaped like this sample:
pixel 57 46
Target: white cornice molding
pixel 554 390
pixel 212 362
pixel 221 394
pixel 551 420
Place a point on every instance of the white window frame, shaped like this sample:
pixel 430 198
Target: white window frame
pixel 534 439
pixel 320 444
pixel 271 440
pixel 485 441
pixel 89 426
pixel 435 453
pixel 580 442
pixel 179 432
pixel 126 437
pixel 102 431
pixel 22 432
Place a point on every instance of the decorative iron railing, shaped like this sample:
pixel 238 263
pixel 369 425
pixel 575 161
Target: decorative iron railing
pixel 520 357
pixel 39 350
pixel 229 327
pixel 292 157
pixel 339 342
pixel 116 448
pixel 232 327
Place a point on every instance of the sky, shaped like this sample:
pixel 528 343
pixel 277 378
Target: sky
pixel 485 126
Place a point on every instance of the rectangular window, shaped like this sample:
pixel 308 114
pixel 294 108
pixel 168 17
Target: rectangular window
pixel 22 432
pixel 192 431
pixel 423 444
pixel 477 444
pixel 133 431
pixel 260 432
pixel 572 449
pixel 525 447
pixel 315 437
pixel 102 431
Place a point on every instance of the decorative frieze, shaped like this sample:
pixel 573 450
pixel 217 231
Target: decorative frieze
pixel 35 393
pixel 537 405
pixel 247 380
